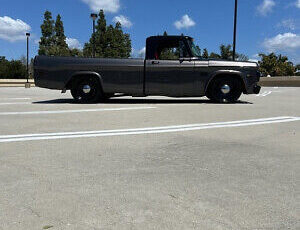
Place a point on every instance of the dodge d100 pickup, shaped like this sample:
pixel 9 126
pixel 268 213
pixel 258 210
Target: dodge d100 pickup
pixel 173 67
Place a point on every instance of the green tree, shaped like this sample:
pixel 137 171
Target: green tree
pixel 100 35
pixel 99 38
pixel 297 73
pixel 16 70
pixel 226 52
pixel 13 69
pixel 76 52
pixel 61 47
pixel 276 65
pixel 127 45
pixel 214 55
pixel 205 54
pixel 47 41
pixel 3 67
pixel 122 42
pixel 112 44
pixel 110 41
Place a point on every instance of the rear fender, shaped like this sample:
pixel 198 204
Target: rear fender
pixel 80 74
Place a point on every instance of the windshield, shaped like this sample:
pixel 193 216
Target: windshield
pixel 195 49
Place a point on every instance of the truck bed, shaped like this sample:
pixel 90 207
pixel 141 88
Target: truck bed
pixel 117 75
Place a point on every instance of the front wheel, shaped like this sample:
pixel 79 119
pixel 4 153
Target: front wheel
pixel 86 90
pixel 225 89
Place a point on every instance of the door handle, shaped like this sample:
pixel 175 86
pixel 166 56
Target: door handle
pixel 155 62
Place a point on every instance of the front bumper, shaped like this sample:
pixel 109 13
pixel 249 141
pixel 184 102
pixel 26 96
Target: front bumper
pixel 256 89
pixel 253 89
pixel 252 83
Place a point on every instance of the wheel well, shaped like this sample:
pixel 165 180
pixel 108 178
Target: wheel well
pixel 75 78
pixel 210 83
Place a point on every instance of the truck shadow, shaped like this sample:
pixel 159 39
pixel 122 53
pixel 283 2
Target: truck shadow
pixel 140 101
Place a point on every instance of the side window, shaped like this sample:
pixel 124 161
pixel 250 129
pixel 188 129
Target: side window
pixel 172 51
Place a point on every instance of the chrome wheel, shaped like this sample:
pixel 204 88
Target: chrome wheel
pixel 225 89
pixel 86 89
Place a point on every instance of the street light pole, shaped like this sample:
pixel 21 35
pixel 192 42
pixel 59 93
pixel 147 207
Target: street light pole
pixel 27 65
pixel 234 30
pixel 94 17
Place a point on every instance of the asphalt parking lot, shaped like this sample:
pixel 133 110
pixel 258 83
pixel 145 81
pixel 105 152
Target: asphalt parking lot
pixel 149 163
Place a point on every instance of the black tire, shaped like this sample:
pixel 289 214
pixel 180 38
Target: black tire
pixel 208 95
pixel 217 90
pixel 86 90
pixel 107 96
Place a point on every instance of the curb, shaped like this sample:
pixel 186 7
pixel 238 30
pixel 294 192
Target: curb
pixel 15 82
pixel 280 82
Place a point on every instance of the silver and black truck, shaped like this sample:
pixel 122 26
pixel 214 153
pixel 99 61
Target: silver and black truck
pixel 182 74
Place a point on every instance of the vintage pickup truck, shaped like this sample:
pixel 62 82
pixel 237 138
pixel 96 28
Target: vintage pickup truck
pixel 173 67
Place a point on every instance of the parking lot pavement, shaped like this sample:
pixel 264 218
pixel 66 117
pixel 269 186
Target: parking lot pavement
pixel 149 163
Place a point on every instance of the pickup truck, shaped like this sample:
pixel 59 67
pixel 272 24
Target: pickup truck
pixel 172 67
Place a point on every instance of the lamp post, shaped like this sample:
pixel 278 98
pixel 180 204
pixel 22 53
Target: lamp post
pixel 27 61
pixel 94 17
pixel 234 30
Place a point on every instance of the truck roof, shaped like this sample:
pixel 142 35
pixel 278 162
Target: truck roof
pixel 153 42
pixel 169 36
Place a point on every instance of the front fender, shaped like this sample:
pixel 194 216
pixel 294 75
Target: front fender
pixel 218 73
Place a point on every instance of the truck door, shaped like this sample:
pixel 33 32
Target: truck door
pixel 171 72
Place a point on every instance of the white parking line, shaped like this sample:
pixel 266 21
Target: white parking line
pixel 264 94
pixel 19 98
pixel 139 131
pixel 73 111
pixel 267 93
pixel 15 103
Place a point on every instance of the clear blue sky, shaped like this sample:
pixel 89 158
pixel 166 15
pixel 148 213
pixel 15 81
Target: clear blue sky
pixel 263 25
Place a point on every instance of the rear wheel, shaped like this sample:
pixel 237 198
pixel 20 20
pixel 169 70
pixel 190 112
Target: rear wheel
pixel 225 89
pixel 86 90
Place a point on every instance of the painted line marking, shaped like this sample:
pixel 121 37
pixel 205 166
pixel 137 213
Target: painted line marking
pixel 19 98
pixel 15 103
pixel 74 111
pixel 149 130
pixel 264 94
pixel 267 93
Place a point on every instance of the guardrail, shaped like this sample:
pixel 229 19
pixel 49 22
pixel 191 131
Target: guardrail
pixel 265 82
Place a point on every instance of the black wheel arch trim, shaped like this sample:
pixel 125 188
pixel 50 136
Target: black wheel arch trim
pixel 221 73
pixel 83 73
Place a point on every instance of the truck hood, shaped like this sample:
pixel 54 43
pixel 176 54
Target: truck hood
pixel 231 63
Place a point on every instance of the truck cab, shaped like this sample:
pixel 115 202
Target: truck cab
pixel 170 66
